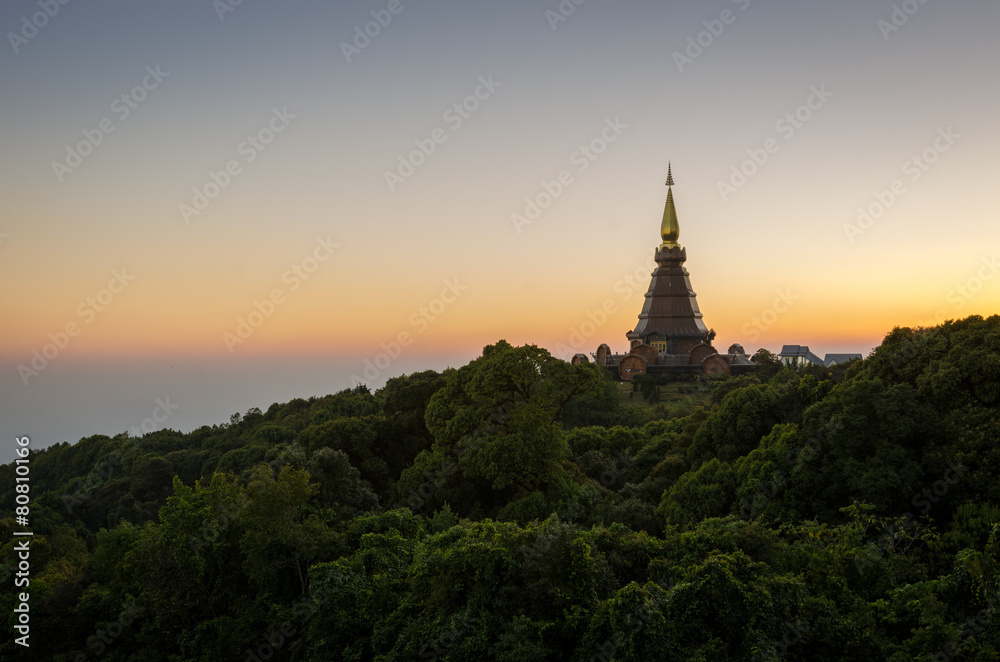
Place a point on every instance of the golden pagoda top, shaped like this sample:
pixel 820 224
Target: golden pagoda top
pixel 670 230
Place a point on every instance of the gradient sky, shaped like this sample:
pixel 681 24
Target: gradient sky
pixel 889 95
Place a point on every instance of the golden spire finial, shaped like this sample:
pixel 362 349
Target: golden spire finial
pixel 670 230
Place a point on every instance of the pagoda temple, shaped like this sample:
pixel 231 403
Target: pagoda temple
pixel 671 336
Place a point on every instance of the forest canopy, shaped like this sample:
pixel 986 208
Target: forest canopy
pixel 521 508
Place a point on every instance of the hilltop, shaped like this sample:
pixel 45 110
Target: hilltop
pixel 522 508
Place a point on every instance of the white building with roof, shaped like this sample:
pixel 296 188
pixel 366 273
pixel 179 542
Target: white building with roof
pixel 800 356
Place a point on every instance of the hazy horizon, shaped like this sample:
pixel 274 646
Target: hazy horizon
pixel 234 205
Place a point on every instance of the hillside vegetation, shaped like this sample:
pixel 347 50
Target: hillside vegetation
pixel 519 509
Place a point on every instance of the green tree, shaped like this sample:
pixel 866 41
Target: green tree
pixel 736 427
pixel 708 491
pixel 281 535
pixel 496 420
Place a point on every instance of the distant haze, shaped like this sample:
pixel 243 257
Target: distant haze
pixel 233 208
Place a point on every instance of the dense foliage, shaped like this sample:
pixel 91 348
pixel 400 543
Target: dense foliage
pixel 514 509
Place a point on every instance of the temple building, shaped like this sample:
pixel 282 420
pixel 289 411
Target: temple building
pixel 671 336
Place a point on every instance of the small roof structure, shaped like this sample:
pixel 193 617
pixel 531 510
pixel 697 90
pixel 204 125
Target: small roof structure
pixel 834 359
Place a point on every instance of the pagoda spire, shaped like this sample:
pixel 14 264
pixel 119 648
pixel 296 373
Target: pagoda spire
pixel 670 229
pixel 670 320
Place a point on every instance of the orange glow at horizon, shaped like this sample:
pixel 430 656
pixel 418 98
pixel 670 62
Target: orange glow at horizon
pixel 324 318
